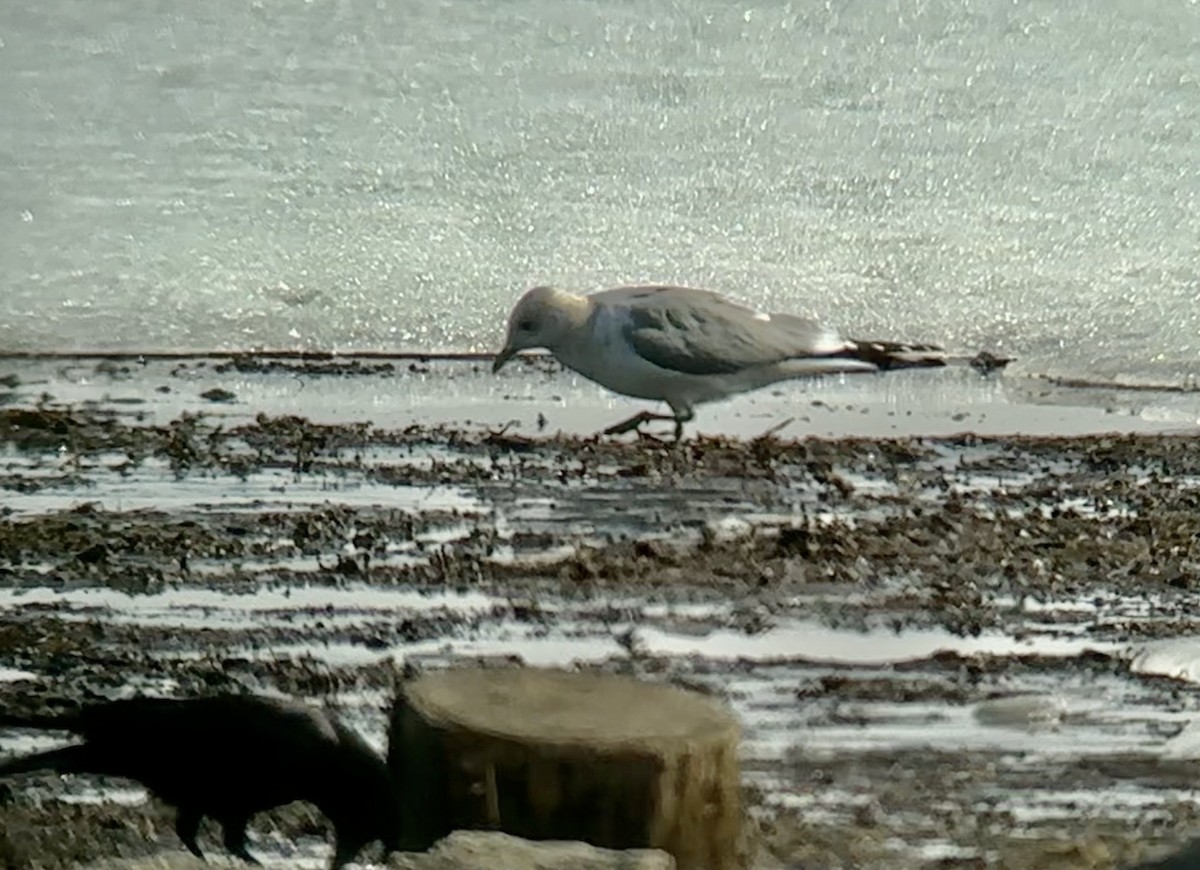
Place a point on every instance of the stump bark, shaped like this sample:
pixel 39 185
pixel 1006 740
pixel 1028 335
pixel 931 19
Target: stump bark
pixel 553 755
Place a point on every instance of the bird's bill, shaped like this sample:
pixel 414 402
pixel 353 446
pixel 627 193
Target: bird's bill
pixel 501 358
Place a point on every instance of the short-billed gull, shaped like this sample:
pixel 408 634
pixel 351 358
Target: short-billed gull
pixel 685 346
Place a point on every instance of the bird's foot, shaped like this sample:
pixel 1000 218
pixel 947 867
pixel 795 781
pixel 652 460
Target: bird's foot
pixel 634 423
pixel 649 437
pixel 770 433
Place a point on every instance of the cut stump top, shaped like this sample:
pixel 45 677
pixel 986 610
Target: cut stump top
pixel 554 706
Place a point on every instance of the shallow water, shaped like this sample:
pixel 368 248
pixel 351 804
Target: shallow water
pixel 527 400
pixel 343 174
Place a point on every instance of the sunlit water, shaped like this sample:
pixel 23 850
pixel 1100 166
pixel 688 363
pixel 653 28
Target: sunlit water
pixel 1016 175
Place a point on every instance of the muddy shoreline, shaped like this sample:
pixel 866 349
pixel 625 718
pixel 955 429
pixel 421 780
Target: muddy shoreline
pixel 947 651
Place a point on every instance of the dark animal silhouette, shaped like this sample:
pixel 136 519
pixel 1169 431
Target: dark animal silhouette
pixel 1187 858
pixel 228 757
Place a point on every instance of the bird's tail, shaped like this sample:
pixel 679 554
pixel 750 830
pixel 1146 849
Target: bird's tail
pixel 68 759
pixel 896 355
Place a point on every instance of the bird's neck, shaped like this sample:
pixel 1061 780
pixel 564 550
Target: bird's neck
pixel 575 309
pixel 584 327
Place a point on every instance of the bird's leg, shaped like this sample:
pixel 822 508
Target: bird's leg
pixel 187 824
pixel 234 829
pixel 636 421
pixel 681 417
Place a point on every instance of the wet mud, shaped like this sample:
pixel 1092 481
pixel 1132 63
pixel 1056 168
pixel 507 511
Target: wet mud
pixel 950 651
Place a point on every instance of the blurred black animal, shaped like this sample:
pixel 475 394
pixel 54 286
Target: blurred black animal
pixel 229 757
pixel 1187 858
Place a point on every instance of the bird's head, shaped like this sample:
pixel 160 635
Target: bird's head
pixel 543 317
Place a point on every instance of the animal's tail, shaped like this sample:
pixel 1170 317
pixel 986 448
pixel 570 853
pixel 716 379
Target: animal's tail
pixel 896 355
pixel 61 722
pixel 68 759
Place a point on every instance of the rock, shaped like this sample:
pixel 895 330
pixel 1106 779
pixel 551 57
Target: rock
pixel 166 861
pixel 218 394
pixel 1027 711
pixel 493 850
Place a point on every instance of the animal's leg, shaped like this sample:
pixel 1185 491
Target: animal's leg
pixel 636 421
pixel 187 824
pixel 234 830
pixel 344 852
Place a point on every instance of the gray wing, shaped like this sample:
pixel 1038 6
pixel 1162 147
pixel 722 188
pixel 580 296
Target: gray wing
pixel 700 332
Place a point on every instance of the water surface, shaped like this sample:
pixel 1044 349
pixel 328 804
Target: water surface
pixel 346 174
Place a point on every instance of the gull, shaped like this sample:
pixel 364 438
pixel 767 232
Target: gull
pixel 687 346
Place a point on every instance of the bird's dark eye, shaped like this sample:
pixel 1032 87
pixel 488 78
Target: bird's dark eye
pixel 526 326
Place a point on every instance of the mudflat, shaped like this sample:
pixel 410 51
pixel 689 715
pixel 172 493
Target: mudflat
pixel 946 648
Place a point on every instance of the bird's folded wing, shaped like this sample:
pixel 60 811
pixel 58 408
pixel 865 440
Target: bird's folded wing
pixel 698 332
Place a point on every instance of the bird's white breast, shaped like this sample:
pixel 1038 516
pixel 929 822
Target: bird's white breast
pixel 600 352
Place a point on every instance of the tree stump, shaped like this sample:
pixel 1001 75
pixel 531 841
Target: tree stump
pixel 553 755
